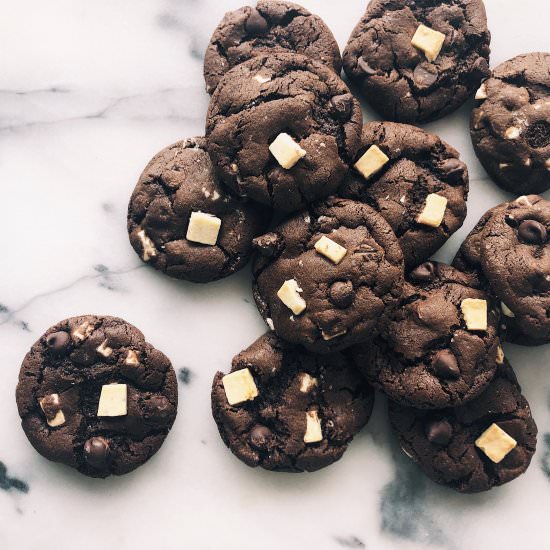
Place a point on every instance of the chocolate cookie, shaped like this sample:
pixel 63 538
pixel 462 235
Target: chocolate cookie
pixel 95 396
pixel 510 124
pixel 417 61
pixel 272 26
pixel 400 183
pixel 286 410
pixel 282 129
pixel 440 347
pixel 515 258
pixel 182 222
pixel 485 443
pixel 328 277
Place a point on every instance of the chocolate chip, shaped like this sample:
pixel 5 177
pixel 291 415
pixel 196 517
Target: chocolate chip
pixel 532 232
pixel 510 220
pixel 97 453
pixel 452 170
pixel 256 24
pixel 58 342
pixel 363 66
pixel 425 75
pixel 538 134
pixel 445 365
pixel 424 273
pixel 439 432
pixel 260 437
pixel 157 408
pixel 341 105
pixel 341 293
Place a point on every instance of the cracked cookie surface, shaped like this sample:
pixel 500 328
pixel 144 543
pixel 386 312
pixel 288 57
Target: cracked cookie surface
pixel 510 125
pixel 426 356
pixel 419 164
pixel 270 430
pixel 442 442
pixel 67 414
pixel 272 26
pixel 288 94
pixel 177 182
pixel 346 302
pixel 396 78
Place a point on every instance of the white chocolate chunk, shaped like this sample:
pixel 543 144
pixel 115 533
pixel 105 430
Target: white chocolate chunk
pixel 524 201
pixel 482 92
pixel 203 228
pixel 149 250
pixel 500 355
pixel 313 428
pixel 330 249
pixel 495 443
pixel 104 349
pixel 429 41
pixel 289 294
pixel 262 79
pixel 474 311
pixel 506 310
pixel 434 210
pixel 286 151
pixel 328 337
pixel 307 382
pixel 371 162
pixel 239 387
pixel 113 400
pixel 270 324
pixel 81 332
pixel 512 133
pixel 131 358
pixel 548 164
pixel 503 165
pixel 49 402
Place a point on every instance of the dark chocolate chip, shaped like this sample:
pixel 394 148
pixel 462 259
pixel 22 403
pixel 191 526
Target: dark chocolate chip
pixel 453 170
pixel 256 24
pixel 260 437
pixel 510 220
pixel 532 232
pixel 363 66
pixel 445 364
pixel 97 453
pixel 439 432
pixel 58 342
pixel 425 75
pixel 341 105
pixel 424 273
pixel 341 293
pixel 157 408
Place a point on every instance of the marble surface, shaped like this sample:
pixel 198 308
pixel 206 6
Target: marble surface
pixel 89 91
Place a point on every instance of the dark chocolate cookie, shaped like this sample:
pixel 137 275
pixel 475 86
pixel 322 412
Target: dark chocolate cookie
pixel 510 125
pixel 485 443
pixel 440 347
pixel 417 165
pixel 515 258
pixel 272 26
pixel 95 396
pixel 286 410
pixel 182 222
pixel 328 277
pixel 282 129
pixel 418 60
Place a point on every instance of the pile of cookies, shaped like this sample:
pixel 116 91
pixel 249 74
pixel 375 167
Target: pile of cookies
pixel 342 218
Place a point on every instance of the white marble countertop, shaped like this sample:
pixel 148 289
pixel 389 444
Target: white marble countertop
pixel 89 91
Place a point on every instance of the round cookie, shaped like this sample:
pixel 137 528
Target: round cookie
pixel 510 124
pixel 328 277
pixel 182 222
pixel 272 26
pixel 286 410
pixel 417 165
pixel 94 395
pixel 448 444
pixel 400 80
pixel 282 130
pixel 515 259
pixel 431 354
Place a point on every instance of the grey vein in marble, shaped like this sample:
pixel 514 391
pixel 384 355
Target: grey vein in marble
pixel 546 457
pixel 8 483
pixel 185 375
pixel 350 542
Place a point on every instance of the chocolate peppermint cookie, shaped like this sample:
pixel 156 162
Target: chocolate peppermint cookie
pixel 286 410
pixel 439 349
pixel 510 124
pixel 483 444
pixel 282 129
pixel 415 180
pixel 417 61
pixel 328 277
pixel 182 222
pixel 272 26
pixel 94 395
